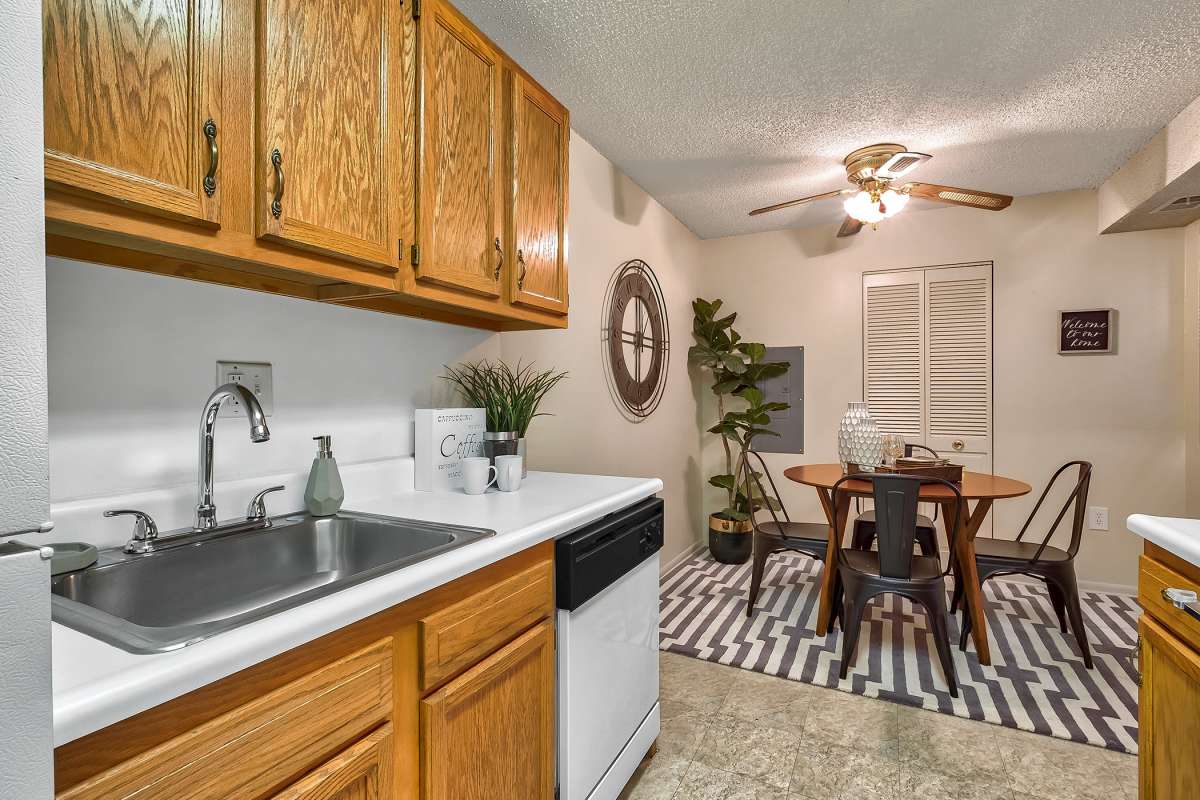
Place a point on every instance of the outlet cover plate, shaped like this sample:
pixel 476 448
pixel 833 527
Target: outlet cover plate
pixel 255 376
pixel 1097 518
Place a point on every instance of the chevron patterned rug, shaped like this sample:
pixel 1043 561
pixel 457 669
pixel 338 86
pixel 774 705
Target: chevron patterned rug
pixel 1036 682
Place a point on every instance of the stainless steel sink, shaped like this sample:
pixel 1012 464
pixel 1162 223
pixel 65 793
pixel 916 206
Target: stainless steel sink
pixel 181 595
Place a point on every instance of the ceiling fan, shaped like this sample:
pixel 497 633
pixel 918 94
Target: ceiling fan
pixel 873 171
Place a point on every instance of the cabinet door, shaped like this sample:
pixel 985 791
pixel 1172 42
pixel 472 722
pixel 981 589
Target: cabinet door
pixel 361 772
pixel 1169 711
pixel 324 134
pixel 540 139
pixel 459 197
pixel 489 734
pixel 132 102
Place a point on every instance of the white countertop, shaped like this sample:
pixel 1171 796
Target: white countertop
pixel 96 684
pixel 1173 534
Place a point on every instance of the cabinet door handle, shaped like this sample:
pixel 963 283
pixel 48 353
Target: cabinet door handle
pixel 499 258
pixel 1135 660
pixel 210 179
pixel 277 202
pixel 958 444
pixel 1183 599
pixel 521 274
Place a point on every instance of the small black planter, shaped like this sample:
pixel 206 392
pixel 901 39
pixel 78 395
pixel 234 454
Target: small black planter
pixel 730 542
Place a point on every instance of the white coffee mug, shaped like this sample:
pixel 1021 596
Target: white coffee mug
pixel 478 475
pixel 508 473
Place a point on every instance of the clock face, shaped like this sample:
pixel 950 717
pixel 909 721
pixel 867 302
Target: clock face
pixel 636 339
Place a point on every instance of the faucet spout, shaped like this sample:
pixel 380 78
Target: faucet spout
pixel 206 509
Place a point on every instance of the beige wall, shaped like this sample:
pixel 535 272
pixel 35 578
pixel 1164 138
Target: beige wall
pixel 612 220
pixel 1191 365
pixel 1122 412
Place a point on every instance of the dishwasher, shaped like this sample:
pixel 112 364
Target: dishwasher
pixel 607 598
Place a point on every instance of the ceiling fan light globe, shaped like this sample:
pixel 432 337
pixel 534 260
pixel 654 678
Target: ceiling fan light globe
pixel 860 207
pixel 893 202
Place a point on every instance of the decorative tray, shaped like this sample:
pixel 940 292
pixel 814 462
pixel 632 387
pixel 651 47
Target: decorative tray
pixel 919 469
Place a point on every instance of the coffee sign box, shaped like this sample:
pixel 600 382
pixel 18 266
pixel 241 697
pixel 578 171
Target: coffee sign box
pixel 1087 332
pixel 444 437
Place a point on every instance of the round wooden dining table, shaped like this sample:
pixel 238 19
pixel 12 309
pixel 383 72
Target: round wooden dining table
pixel 980 488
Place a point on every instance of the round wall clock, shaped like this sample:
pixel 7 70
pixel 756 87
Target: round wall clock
pixel 636 339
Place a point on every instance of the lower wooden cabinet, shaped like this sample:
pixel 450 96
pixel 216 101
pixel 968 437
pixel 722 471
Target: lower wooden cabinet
pixel 489 734
pixel 1169 700
pixel 359 714
pixel 1169 716
pixel 361 772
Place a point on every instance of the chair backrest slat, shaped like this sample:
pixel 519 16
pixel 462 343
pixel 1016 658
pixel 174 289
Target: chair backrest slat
pixel 896 524
pixel 896 497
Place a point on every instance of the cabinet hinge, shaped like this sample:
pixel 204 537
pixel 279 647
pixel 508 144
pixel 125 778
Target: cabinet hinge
pixel 416 7
pixel 414 253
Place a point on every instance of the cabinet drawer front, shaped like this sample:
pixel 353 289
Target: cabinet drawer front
pixel 458 636
pixel 255 748
pixel 1153 578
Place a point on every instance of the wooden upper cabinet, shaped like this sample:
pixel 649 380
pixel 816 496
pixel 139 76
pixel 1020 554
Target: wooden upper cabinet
pixel 459 193
pixel 327 124
pixel 129 93
pixel 540 137
pixel 489 734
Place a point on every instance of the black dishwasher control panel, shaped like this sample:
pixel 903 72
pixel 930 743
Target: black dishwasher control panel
pixel 591 559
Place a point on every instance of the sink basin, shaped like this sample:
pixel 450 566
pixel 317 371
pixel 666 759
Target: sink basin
pixel 179 596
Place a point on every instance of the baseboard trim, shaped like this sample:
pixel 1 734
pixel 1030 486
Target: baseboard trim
pixel 1086 586
pixel 686 555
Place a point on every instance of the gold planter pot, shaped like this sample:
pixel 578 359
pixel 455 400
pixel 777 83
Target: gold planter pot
pixel 730 541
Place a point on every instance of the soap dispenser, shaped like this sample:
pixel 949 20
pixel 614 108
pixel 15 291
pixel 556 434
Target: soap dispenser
pixel 323 496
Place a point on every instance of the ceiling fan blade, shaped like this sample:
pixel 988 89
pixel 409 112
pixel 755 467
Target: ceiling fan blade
pixel 801 201
pixel 955 196
pixel 901 164
pixel 850 226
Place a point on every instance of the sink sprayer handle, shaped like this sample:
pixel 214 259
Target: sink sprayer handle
pixel 258 508
pixel 144 529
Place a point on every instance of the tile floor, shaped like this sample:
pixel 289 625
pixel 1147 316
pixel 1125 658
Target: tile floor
pixel 730 734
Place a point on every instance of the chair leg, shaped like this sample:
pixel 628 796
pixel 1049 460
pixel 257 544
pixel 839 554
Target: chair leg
pixel 927 540
pixel 957 595
pixel 1071 592
pixel 863 536
pixel 851 621
pixel 1059 603
pixel 938 618
pixel 760 554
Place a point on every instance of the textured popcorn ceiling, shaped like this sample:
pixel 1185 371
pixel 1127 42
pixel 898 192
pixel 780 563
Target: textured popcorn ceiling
pixel 719 107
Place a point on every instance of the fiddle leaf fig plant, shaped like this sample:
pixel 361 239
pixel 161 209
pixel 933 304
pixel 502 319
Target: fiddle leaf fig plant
pixel 737 371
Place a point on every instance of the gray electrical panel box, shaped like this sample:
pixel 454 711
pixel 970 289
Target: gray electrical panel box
pixel 787 388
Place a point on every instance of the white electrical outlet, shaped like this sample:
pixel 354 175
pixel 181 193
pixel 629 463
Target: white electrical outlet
pixel 255 376
pixel 1097 518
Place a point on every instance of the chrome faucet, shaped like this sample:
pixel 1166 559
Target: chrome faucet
pixel 206 510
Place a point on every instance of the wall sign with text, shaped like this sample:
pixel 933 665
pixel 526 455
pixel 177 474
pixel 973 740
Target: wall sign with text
pixel 1087 332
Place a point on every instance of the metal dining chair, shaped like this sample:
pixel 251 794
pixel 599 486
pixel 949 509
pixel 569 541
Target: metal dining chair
pixel 1052 565
pixel 894 568
pixel 778 535
pixel 864 524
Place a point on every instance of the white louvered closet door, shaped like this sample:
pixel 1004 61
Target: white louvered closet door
pixel 893 352
pixel 958 364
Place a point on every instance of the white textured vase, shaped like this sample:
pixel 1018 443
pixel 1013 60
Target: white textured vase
pixel 859 441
